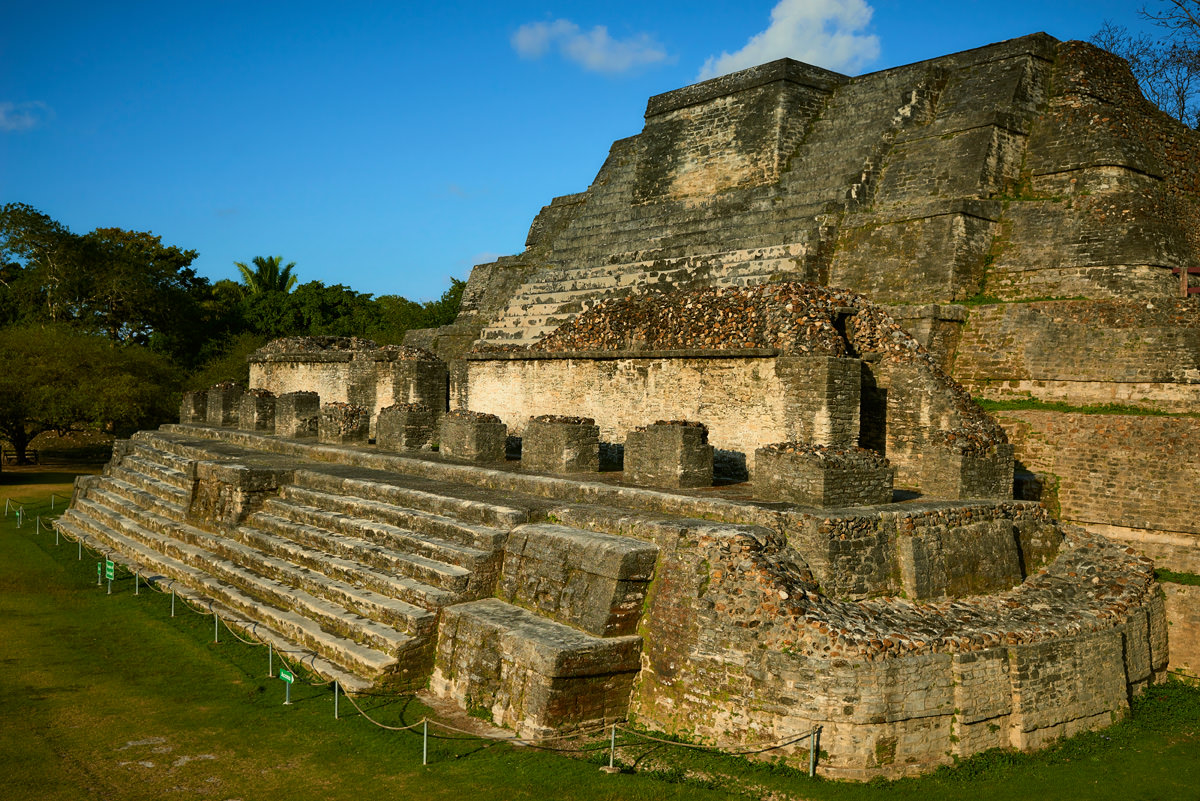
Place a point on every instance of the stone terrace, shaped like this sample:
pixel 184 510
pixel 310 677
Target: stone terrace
pixel 355 555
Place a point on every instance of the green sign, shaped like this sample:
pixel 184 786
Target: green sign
pixel 287 675
pixel 110 569
pixel 99 570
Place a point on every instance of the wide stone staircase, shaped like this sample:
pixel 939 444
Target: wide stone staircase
pixel 355 568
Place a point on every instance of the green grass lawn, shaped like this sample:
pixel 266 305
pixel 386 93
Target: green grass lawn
pixel 110 697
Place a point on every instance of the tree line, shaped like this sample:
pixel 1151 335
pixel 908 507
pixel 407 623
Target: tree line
pixel 104 329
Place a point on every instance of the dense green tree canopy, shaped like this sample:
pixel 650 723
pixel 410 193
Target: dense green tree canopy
pixel 99 329
pixel 55 377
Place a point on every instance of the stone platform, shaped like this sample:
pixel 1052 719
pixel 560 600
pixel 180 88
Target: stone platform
pixel 553 604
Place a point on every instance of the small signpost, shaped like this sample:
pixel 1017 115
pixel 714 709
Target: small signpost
pixel 288 678
pixel 110 572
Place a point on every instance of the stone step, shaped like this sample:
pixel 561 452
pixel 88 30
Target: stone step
pixel 268 590
pixel 159 489
pixel 483 538
pixel 451 578
pixel 352 656
pixel 403 588
pixel 152 575
pixel 396 490
pixel 380 533
pixel 150 452
pixel 156 470
pixel 379 607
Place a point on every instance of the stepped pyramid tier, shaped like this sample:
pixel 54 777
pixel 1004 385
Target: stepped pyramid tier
pixel 1022 209
pixel 685 300
pixel 553 604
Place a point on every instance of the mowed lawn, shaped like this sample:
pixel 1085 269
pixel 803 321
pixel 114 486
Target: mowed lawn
pixel 110 697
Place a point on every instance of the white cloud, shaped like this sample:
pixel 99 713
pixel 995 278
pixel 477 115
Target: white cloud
pixel 827 33
pixel 593 50
pixel 23 116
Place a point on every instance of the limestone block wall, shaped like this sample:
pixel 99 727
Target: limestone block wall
pixel 372 379
pixel 746 401
pixel 923 550
pixel 735 131
pixel 1145 352
pixel 1183 612
pixel 1125 476
pixel 898 687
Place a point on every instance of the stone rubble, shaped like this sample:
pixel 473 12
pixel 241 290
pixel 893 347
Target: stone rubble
pixel 321 344
pixel 831 456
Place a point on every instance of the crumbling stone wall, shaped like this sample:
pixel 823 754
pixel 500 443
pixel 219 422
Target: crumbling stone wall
pixel 744 649
pixel 349 370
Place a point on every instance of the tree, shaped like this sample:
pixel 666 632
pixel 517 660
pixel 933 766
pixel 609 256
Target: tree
pixel 139 287
pixel 56 378
pixel 268 275
pixel 126 285
pixel 1166 68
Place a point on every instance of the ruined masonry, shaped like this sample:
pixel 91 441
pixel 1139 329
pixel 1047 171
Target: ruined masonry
pixel 661 469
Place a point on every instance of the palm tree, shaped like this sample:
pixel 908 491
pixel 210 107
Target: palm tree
pixel 267 275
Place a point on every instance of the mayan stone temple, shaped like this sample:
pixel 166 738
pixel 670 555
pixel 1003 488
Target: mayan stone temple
pixel 705 456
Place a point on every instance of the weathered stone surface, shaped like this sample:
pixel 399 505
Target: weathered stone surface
pixel 297 414
pixel 351 370
pixel 592 581
pixel 222 403
pixel 256 411
pixel 343 424
pixel 474 436
pixel 1123 476
pixel 529 673
pixel 1183 614
pixel 823 477
pixel 669 454
pixel 552 444
pixel 226 493
pixel 951 471
pixel 405 427
pixel 194 407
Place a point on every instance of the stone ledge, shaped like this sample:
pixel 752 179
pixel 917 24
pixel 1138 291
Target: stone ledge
pixel 602 355
pixel 784 69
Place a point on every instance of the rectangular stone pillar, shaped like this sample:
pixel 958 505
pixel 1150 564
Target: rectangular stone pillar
pixel 194 407
pixel 404 427
pixel 822 399
pixel 672 454
pixel 960 471
pixel 222 403
pixel 474 436
pixel 344 424
pixel 257 411
pixel 297 414
pixel 557 444
pixel 814 475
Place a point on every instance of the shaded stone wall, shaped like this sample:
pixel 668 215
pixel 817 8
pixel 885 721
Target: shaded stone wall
pixel 1129 477
pixel 1143 352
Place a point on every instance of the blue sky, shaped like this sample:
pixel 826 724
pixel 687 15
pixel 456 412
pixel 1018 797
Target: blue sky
pixel 389 146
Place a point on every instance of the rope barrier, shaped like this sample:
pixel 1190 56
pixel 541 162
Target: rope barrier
pixel 732 751
pixel 298 665
pixel 354 704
